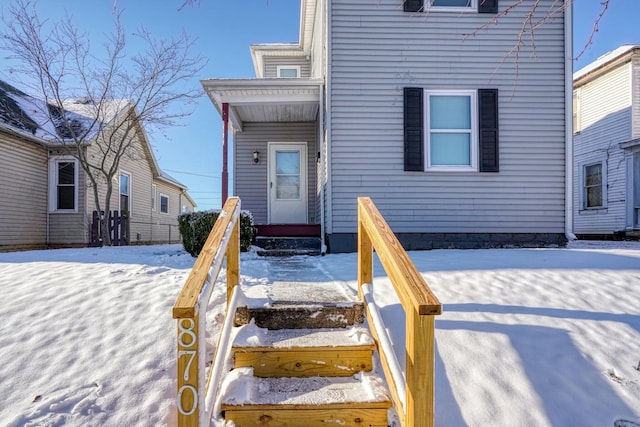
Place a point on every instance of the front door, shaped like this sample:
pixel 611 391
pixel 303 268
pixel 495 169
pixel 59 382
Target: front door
pixel 287 183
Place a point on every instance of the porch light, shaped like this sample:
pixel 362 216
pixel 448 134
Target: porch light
pixel 256 157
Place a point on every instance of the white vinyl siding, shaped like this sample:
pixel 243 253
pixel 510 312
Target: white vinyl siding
pixel 605 122
pixel 250 179
pixel 635 90
pixel 165 225
pixel 377 51
pixel 23 193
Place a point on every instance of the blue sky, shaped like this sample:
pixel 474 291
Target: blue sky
pixel 225 29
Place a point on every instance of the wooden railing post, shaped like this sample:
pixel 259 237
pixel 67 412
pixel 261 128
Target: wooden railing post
pixel 420 363
pixel 188 386
pixel 233 261
pixel 420 306
pixel 190 310
pixel 365 255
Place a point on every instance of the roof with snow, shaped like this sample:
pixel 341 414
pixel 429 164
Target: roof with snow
pixel 38 118
pixel 605 60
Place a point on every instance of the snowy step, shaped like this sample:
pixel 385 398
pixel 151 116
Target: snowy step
pixel 304 352
pixel 300 305
pixel 361 400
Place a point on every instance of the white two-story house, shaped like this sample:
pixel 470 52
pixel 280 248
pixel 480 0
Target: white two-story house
pixel 424 106
pixel 606 125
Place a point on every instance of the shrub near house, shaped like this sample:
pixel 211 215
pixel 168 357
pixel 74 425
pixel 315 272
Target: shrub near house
pixel 196 226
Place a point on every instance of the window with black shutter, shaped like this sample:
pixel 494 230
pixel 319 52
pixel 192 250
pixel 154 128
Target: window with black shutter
pixel 413 129
pixel 457 132
pixel 488 130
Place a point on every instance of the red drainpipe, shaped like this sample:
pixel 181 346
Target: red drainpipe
pixel 225 152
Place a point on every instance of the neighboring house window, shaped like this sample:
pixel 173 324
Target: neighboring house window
pixel 482 6
pixel 576 112
pixel 288 71
pixel 154 190
pixel 63 177
pixel 451 130
pixel 125 191
pixel 164 203
pixel 594 186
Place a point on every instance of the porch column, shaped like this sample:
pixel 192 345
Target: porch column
pixel 225 150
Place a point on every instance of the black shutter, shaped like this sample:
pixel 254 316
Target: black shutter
pixel 487 6
pixel 413 129
pixel 413 5
pixel 488 129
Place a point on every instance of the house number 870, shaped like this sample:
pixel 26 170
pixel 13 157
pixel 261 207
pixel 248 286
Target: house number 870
pixel 185 326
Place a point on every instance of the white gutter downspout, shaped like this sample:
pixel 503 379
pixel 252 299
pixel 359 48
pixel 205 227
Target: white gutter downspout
pixel 327 54
pixel 568 108
pixel 322 139
pixel 48 196
pixel 323 245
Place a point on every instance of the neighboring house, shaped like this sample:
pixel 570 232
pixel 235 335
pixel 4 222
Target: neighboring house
pixel 46 198
pixel 606 127
pixel 458 144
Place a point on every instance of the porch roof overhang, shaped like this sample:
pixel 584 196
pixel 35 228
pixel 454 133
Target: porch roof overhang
pixel 265 100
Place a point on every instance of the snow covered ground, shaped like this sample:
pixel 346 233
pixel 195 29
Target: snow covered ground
pixel 528 337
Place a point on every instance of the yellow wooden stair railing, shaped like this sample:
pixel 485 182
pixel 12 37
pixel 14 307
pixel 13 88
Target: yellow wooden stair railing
pixel 195 392
pixel 420 306
pixel 413 399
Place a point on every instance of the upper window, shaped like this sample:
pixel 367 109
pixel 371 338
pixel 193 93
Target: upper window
pixel 288 71
pixel 164 203
pixel 64 184
pixel 454 4
pixel 481 6
pixel 593 186
pixel 451 130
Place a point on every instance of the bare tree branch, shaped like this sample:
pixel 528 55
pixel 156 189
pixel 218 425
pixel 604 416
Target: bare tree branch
pixel 116 95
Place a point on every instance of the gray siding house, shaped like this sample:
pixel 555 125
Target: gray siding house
pixel 46 197
pixel 606 118
pixel 458 143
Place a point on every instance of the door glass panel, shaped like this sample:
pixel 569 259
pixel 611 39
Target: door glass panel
pixel 287 174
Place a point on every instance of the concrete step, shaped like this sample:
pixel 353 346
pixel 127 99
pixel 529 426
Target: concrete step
pixel 288 246
pixel 307 304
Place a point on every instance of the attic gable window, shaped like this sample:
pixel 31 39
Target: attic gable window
pixel 288 71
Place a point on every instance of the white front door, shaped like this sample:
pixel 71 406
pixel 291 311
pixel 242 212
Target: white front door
pixel 287 183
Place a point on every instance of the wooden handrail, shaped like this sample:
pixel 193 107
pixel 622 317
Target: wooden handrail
pixel 419 304
pixel 190 309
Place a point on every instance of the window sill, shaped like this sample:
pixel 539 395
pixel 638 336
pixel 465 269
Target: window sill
pixel 64 212
pixel 439 9
pixel 450 169
pixel 592 211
